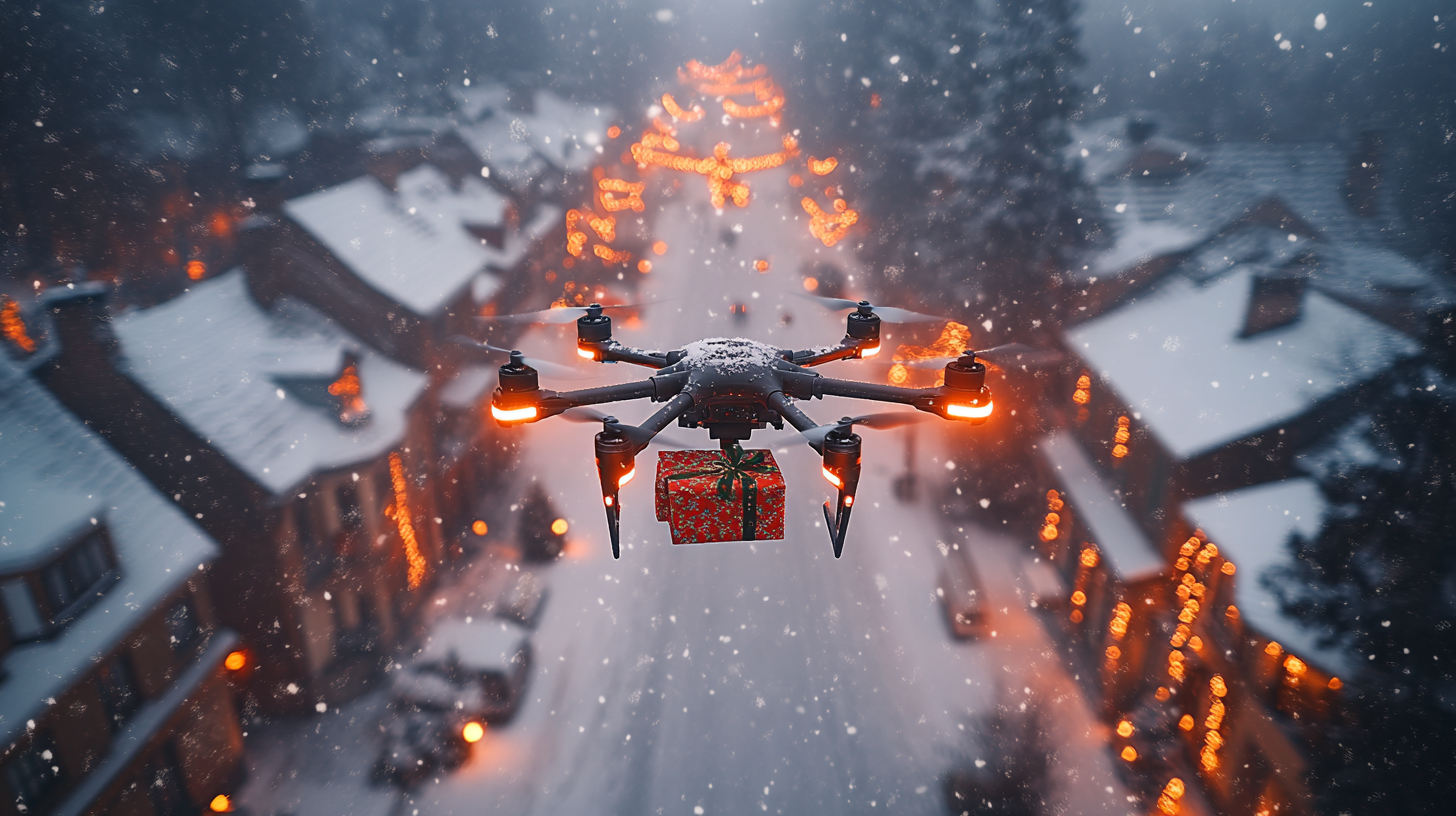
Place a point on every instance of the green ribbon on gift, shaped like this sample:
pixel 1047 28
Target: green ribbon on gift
pixel 736 465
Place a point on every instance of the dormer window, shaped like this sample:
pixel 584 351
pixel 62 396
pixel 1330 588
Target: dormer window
pixel 348 392
pixel 38 603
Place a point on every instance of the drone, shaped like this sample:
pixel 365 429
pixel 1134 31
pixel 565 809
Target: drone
pixel 734 386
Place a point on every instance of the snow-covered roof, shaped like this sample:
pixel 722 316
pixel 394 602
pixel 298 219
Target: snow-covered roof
pixel 1125 548
pixel 1221 184
pixel 1252 528
pixel 562 133
pixel 413 246
pixel 500 143
pixel 487 644
pixel 1175 356
pixel 53 471
pixel 227 368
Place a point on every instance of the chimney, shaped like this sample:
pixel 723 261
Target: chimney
pixel 1276 300
pixel 1362 181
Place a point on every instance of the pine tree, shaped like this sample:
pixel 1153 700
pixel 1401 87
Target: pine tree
pixel 1382 574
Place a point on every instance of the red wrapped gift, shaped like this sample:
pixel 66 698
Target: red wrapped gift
pixel 706 496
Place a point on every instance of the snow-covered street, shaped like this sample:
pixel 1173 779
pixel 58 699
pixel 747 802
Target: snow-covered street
pixel 759 676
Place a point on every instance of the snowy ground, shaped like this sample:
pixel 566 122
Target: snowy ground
pixel 730 678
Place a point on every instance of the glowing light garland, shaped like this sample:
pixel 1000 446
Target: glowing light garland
pixel 417 565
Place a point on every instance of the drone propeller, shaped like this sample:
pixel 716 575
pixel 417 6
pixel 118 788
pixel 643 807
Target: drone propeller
pixel 888 313
pixel 1003 356
pixel 556 316
pixel 546 367
pixel 635 434
pixel 880 421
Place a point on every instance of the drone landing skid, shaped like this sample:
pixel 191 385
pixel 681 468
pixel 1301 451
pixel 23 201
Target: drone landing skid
pixel 838 525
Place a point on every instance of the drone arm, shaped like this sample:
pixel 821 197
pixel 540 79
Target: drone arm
pixel 795 417
pixel 611 351
pixel 831 387
pixel 666 415
pixel 848 349
pixel 556 403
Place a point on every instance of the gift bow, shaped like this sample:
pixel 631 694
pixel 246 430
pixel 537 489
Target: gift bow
pixel 737 465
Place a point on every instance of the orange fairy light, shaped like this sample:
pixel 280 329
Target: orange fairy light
pixel 1124 729
pixel 1129 754
pixel 605 228
pixel 611 185
pixel 12 326
pixel 1177 640
pixel 810 284
pixel 796 180
pixel 1335 684
pixel 898 375
pixel 675 111
pixel 235 661
pixel 613 132
pixel 761 266
pixel 1273 649
pixel 874 100
pixel 1232 613
pixel 738 111
pixel 472 732
pixel 632 202
pixel 479 527
pixel 822 167
pixel 1113 653
pixel 220 804
pixel 417 565
pixel 352 410
pixel 1162 694
pixel 1084 390
pixel 1294 666
pixel 611 256
pixel 575 238
pixel 644 266
pixel 1054 500
pixel 1168 799
pixel 659 248
pixel 1195 643
pixel 1079 597
pixel 1089 557
pixel 196 269
pixel 1049 532
pixel 1186 723
pixel 1182 564
pixel 1076 616
pixel 1217 686
pixel 1228 568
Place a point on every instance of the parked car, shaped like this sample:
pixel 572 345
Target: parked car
pixel 522 600
pixel 478 669
pixel 960 593
pixel 419 743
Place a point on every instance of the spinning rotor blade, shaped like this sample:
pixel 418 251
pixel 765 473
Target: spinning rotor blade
pixel 632 432
pixel 554 317
pixel 879 421
pixel 886 313
pixel 1009 355
pixel 546 367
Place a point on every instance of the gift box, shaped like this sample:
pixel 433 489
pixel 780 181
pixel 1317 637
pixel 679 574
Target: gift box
pixel 734 495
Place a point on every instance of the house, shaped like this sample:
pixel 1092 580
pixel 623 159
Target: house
pixel 403 269
pixel 303 452
pixel 113 694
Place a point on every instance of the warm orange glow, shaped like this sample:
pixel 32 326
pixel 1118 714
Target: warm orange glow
pixel 1335 684
pixel 1084 390
pixel 1076 616
pixel 1054 499
pixel 472 732
pixel 220 804
pixel 235 660
pixel 761 266
pixel 1162 694
pixel 828 474
pixel 585 354
pixel 622 482
pixel 1124 728
pixel 605 228
pixel 969 411
pixel 1294 666
pixel 196 269
pixel 1195 643
pixel 848 500
pixel 479 527
pixel 607 500
pixel 898 374
pixel 1186 723
pixel 1273 649
pixel 1217 686
pixel 1053 518
pixel 13 327
pixel 738 111
pixel 1209 759
pixel 644 266
pixel 796 180
pixel 659 248
pixel 1129 753
pixel 670 105
pixel 349 391
pixel 575 238
pixel 416 570
pixel 1228 568
pixel 811 284
pixel 822 167
pixel 1189 547
pixel 1119 451
pixel 1049 532
pixel 1089 558
pixel 1232 613
pixel 1079 597
pixel 1177 640
pixel 1182 564
pixel 829 228
pixel 512 414
pixel 613 132
pixel 611 256
pixel 1113 653
pixel 869 351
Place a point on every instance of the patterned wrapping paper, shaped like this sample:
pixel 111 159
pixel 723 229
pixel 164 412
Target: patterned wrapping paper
pixel 701 495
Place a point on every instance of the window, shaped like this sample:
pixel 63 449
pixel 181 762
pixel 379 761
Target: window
pixel 182 626
pixel 118 691
pixel 34 775
pixel 73 575
pixel 351 517
pixel 20 608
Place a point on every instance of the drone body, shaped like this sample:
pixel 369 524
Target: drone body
pixel 732 387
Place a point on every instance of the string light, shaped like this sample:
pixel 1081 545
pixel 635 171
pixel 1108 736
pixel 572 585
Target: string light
pixel 12 326
pixel 416 569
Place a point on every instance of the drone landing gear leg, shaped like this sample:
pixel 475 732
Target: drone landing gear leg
pixel 839 524
pixel 614 515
